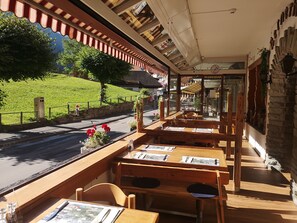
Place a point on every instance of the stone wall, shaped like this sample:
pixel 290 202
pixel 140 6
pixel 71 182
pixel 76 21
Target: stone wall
pixel 280 127
pixel 281 140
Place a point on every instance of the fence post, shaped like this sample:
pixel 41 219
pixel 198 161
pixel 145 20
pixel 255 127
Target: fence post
pixel 49 112
pixel 0 119
pixel 118 100
pixel 68 108
pixel 21 118
pixel 88 105
pixel 131 98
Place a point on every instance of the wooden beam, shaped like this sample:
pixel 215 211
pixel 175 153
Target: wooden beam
pixel 172 47
pixel 229 124
pixel 119 9
pixel 161 108
pixel 178 93
pixel 208 72
pixel 160 39
pixel 148 26
pixel 238 141
pixel 181 64
pixel 178 60
pixel 173 56
pixel 233 59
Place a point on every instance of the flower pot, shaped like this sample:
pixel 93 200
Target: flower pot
pixel 86 149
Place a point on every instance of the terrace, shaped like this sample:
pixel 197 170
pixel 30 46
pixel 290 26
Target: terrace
pixel 227 71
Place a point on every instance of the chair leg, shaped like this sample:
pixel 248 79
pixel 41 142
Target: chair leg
pixel 218 211
pixel 222 211
pixel 199 209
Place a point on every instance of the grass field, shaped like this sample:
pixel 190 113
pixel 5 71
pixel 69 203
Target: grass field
pixel 58 90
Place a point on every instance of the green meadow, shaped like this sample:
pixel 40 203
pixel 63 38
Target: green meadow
pixel 58 90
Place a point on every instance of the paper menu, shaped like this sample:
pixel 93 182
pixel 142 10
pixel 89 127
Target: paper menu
pixel 200 160
pixel 159 148
pixel 171 128
pixel 84 213
pixel 150 156
pixel 203 130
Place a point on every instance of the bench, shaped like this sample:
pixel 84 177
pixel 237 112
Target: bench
pixel 174 181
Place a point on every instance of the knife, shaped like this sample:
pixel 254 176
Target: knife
pixel 56 211
pixel 105 216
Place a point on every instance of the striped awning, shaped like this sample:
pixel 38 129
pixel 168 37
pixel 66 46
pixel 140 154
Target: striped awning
pixel 192 89
pixel 64 17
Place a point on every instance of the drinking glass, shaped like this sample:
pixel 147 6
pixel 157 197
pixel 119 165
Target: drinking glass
pixel 130 147
pixel 3 215
pixel 11 215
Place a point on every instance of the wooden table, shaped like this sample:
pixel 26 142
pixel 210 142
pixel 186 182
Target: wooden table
pixel 174 157
pixel 127 216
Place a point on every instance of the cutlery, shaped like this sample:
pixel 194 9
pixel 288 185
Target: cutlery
pixel 105 216
pixel 56 211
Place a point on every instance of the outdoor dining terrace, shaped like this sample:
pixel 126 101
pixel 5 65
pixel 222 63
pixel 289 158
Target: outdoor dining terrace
pixel 248 191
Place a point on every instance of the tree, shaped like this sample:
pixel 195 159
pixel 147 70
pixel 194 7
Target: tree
pixel 69 58
pixel 26 52
pixel 103 67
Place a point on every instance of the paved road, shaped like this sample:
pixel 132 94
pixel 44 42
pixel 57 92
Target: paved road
pixel 20 161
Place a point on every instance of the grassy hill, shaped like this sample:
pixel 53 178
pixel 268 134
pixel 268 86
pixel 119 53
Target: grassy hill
pixel 57 90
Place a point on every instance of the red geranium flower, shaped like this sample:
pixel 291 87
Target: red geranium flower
pixel 107 129
pixel 104 126
pixel 94 126
pixel 90 132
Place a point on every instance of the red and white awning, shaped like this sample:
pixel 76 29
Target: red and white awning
pixel 64 17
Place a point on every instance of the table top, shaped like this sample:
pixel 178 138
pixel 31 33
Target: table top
pixel 126 216
pixel 176 156
pixel 189 129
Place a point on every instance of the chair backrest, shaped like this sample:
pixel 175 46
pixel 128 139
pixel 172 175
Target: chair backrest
pixel 190 175
pixel 106 192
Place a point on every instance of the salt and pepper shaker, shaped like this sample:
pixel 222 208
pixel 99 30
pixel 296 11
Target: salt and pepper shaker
pixel 130 147
pixel 3 215
pixel 11 216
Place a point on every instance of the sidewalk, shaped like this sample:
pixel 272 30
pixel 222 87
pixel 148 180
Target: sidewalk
pixel 8 139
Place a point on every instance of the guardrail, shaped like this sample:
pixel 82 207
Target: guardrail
pixel 23 117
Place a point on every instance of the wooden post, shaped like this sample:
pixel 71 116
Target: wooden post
pixel 49 113
pixel 139 112
pixel 21 118
pixel 229 125
pixel 168 107
pixel 238 141
pixel 161 108
pixel 178 92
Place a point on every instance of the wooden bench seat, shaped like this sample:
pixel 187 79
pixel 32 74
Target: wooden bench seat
pixel 174 181
pixel 166 188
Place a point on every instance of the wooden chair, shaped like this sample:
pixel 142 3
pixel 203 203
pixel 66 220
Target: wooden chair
pixel 176 181
pixel 106 192
pixel 202 192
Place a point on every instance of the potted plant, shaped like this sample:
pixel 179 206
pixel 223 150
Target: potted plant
pixel 95 138
pixel 156 116
pixel 133 124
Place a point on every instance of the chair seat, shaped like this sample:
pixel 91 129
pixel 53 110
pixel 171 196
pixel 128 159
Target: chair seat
pixel 145 182
pixel 199 190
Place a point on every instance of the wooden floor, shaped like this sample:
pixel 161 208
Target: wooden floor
pixel 263 198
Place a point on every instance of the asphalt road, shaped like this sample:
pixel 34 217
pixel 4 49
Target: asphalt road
pixel 22 161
